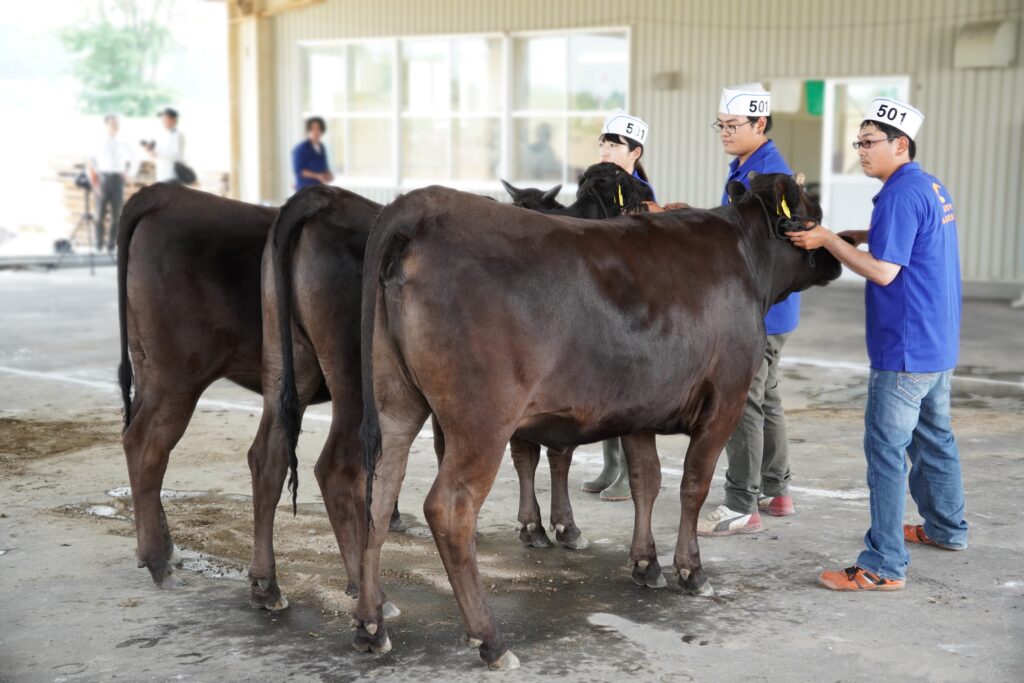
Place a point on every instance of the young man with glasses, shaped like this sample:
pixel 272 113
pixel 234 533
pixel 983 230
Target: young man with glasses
pixel 757 478
pixel 912 305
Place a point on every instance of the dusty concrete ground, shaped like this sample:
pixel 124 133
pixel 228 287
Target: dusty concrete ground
pixel 75 607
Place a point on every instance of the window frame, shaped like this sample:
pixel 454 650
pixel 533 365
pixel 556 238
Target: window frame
pixel 505 113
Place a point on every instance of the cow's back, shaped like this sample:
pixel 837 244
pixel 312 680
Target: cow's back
pixel 572 310
pixel 193 285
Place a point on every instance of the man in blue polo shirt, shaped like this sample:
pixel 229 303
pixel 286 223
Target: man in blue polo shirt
pixel 757 478
pixel 912 304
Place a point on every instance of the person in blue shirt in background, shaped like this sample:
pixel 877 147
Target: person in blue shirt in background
pixel 621 142
pixel 309 157
pixel 912 303
pixel 757 478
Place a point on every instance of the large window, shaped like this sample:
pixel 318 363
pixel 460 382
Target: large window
pixel 563 87
pixel 466 110
pixel 350 86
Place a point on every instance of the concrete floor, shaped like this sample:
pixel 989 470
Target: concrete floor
pixel 75 607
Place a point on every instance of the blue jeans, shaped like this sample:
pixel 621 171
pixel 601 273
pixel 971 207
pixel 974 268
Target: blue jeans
pixel 908 415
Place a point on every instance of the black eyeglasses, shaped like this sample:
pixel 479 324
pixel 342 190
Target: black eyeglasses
pixel 729 128
pixel 866 144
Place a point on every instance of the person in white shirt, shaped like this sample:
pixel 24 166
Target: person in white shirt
pixel 112 162
pixel 169 146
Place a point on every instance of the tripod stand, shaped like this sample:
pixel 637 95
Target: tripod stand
pixel 87 222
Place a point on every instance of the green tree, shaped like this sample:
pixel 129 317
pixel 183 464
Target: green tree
pixel 116 56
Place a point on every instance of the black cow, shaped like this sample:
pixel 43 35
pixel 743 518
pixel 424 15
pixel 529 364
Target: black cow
pixel 189 303
pixel 653 324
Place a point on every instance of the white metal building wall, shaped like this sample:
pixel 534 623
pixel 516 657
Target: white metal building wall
pixel 973 138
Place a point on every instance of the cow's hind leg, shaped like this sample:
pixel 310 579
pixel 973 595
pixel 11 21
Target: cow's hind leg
pixel 340 472
pixel 699 466
pixel 525 457
pixel 159 418
pixel 451 508
pixel 268 466
pixel 397 435
pixel 644 483
pixel 562 521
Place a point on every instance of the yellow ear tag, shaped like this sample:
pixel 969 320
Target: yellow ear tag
pixel 620 195
pixel 784 209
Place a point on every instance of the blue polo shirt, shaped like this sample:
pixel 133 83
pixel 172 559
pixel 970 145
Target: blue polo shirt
pixel 305 156
pixel 784 316
pixel 913 323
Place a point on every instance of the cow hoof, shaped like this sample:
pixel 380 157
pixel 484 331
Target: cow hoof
pixel 171 581
pixel 473 642
pixel 396 524
pixel 365 641
pixel 533 536
pixel 704 591
pixel 281 603
pixel 695 584
pixel 382 648
pixel 571 537
pixel 506 662
pixel 390 610
pixel 581 543
pixel 648 573
pixel 264 593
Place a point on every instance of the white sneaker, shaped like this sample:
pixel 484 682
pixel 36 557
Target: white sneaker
pixel 725 522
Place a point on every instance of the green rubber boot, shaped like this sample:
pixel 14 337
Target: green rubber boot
pixel 619 488
pixel 612 451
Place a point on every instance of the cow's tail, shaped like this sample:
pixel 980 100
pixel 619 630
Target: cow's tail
pixel 388 240
pixel 306 204
pixel 141 204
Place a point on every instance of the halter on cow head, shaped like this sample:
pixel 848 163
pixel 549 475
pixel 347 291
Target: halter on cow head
pixel 606 190
pixel 786 206
pixel 774 205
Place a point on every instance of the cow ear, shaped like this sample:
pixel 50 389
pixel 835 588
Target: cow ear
pixel 510 188
pixel 550 197
pixel 735 189
pixel 787 196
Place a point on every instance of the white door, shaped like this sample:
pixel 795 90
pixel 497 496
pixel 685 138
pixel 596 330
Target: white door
pixel 845 191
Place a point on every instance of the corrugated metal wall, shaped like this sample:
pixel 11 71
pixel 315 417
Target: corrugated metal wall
pixel 973 137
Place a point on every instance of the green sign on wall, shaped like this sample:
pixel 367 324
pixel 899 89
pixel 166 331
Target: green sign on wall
pixel 814 95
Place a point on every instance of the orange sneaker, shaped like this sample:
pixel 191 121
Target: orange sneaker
pixel 914 533
pixel 857 579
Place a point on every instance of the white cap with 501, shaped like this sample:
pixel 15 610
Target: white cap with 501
pixel 749 99
pixel 897 114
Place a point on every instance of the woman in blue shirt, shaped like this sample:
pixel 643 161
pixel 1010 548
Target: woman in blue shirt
pixel 621 142
pixel 309 157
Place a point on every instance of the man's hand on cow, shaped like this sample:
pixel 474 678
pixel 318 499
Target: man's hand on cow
pixel 654 207
pixel 857 236
pixel 816 237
